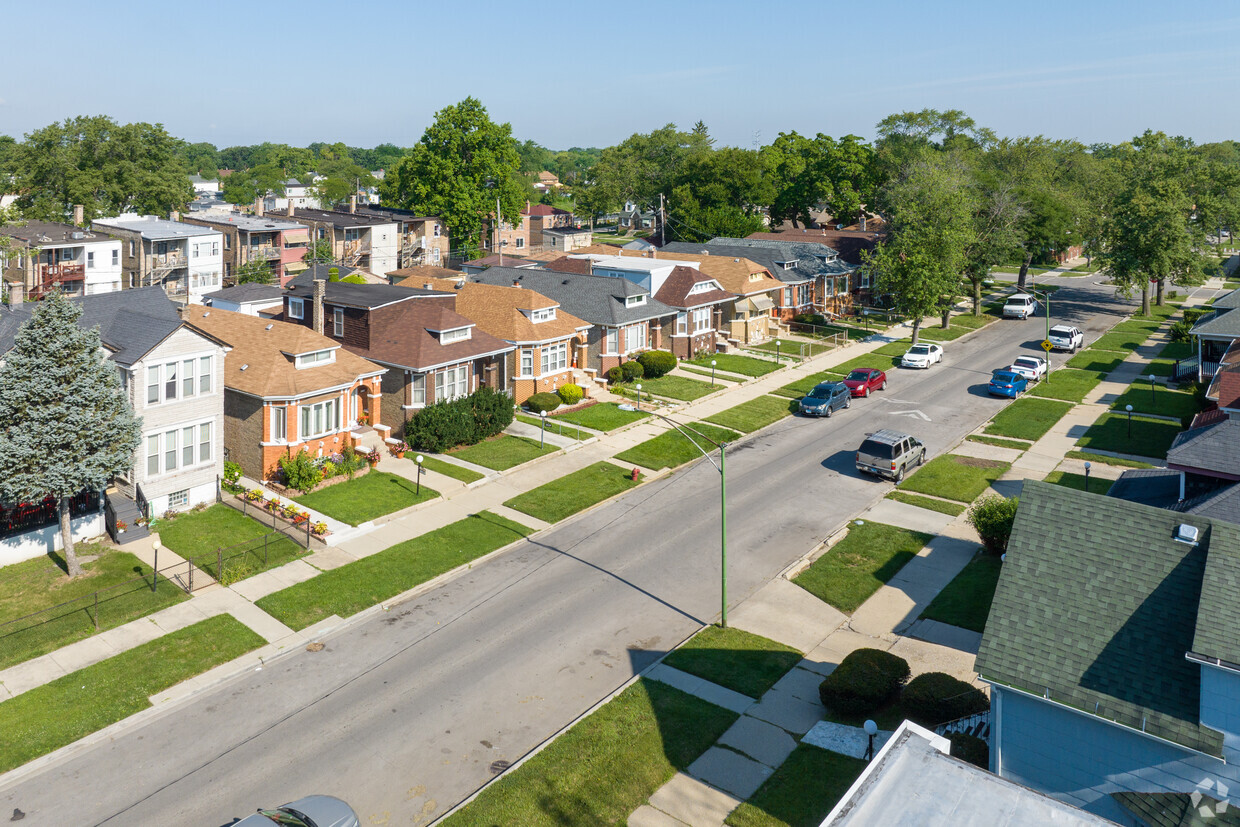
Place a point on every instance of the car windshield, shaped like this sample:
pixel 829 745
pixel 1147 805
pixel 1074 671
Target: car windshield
pixel 859 375
pixel 822 392
pixel 919 350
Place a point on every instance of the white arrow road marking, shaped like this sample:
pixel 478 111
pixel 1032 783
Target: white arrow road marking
pixel 915 414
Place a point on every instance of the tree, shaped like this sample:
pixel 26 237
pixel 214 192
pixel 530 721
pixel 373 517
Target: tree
pixel 342 178
pixel 69 427
pixel 320 252
pixel 106 167
pixel 247 185
pixel 254 271
pixel 462 166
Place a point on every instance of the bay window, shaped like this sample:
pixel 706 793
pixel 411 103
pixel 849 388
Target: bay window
pixel 319 419
pixel 701 319
pixel 279 423
pixel 527 362
pixel 554 358
pixel 611 344
pixel 682 323
pixel 635 337
pixel 452 383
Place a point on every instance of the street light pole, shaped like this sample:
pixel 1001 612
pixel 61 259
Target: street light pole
pixel 1087 467
pixel 542 431
pixel 1152 399
pixel 712 371
pixel 419 461
pixel 1128 408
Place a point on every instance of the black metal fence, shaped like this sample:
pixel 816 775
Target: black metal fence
pixel 32 516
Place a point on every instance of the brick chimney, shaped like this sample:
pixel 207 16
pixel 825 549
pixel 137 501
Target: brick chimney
pixel 79 215
pixel 174 216
pixel 258 206
pixel 17 292
pixel 290 208
pixel 320 289
pixel 863 221
pixel 352 204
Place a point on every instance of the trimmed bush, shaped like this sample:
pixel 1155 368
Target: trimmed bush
pixel 991 517
pixel 656 363
pixel 615 375
pixel 545 401
pixel 466 421
pixel 865 680
pixel 1180 331
pixel 300 472
pixel 570 394
pixel 632 371
pixel 1192 314
pixel 971 749
pixel 936 698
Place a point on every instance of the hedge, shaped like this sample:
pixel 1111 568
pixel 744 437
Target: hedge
pixel 445 425
pixel 971 749
pixel 864 681
pixel 936 698
pixel 656 363
pixel 992 517
pixel 571 394
pixel 545 401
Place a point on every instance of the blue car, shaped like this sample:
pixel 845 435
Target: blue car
pixel 1007 383
pixel 826 398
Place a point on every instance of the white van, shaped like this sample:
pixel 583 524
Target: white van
pixel 1020 306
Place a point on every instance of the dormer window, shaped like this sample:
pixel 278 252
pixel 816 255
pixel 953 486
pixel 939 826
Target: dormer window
pixel 317 357
pixel 634 301
pixel 787 265
pixel 702 287
pixel 296 308
pixel 460 334
pixel 542 314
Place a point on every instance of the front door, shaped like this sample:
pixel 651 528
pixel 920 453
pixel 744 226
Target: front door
pixel 359 406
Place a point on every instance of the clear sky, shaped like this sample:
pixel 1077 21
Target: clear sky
pixel 591 74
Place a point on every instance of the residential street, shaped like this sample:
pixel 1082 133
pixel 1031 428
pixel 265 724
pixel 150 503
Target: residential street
pixel 406 714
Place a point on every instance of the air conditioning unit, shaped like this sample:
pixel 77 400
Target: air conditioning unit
pixel 1185 533
pixel 79 235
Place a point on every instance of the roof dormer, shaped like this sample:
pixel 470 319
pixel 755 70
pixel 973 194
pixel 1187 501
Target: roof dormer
pixel 540 314
pixel 635 301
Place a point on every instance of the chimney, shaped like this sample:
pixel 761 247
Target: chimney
pixel 79 215
pixel 258 206
pixel 516 283
pixel 863 221
pixel 590 266
pixel 16 294
pixel 320 289
pixel 352 204
pixel 527 206
pixel 290 208
pixel 174 216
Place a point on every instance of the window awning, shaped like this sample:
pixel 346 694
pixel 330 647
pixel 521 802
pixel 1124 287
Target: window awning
pixel 755 304
pixel 296 237
pixel 296 267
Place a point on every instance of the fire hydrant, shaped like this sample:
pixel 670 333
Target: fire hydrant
pixel 633 475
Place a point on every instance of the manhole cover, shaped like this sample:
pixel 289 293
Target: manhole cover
pixel 314 647
pixel 499 766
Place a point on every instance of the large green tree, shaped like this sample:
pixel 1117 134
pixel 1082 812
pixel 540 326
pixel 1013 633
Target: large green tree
pixel 464 163
pixel 254 271
pixel 68 425
pixel 108 168
pixel 808 173
pixel 246 185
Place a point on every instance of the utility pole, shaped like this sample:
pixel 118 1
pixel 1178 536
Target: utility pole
pixel 662 223
pixel 498 223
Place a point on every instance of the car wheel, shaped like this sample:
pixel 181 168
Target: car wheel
pixel 921 457
pixel 847 403
pixel 865 391
pixel 829 409
pixel 884 385
pixel 900 474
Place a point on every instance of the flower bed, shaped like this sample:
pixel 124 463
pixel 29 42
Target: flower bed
pixel 284 490
pixel 288 513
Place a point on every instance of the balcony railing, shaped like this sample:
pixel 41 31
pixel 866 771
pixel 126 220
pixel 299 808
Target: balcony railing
pixel 265 251
pixel 168 261
pixel 62 271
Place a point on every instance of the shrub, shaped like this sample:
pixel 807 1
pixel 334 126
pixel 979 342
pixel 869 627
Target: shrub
pixel 492 411
pixel 936 698
pixel 571 394
pixel 632 371
pixel 1192 314
pixel 232 472
pixel 300 472
pixel 545 401
pixel 992 518
pixel 971 749
pixel 656 363
pixel 1179 330
pixel 330 470
pixel 865 680
pixel 615 375
pixel 466 421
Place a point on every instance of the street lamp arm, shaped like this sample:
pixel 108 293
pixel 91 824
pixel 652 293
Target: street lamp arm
pixel 685 431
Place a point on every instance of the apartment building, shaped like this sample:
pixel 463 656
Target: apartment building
pixel 52 256
pixel 366 242
pixel 279 242
pixel 186 260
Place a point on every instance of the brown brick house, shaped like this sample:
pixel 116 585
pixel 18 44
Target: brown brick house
pixel 287 389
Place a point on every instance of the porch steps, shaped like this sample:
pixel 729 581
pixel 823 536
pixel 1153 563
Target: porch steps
pixel 126 511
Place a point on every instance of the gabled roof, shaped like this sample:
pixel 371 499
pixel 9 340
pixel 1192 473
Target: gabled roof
pixel 1223 504
pixel 370 296
pixel 1097 606
pixel 249 292
pixel 1213 450
pixel 774 258
pixel 261 362
pixel 849 243
pixel 492 260
pixel 1229 301
pixel 596 299
pixel 1222 322
pixel 675 291
pixel 1157 487
pixel 734 273
pixel 405 335
pixel 504 311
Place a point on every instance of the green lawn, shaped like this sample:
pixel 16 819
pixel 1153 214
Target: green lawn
pixel 1139 324
pixel 999 442
pixel 1103 458
pixel 1097 485
pixel 1029 418
pixel 954 477
pixel 358 585
pixel 672 448
pixel 362 499
pixel 34 585
pixel 1067 384
pixel 743 662
pixel 754 414
pixel 555 426
pixel 448 469
pixel 938 334
pixel 1164 364
pixel 790 349
pixel 930 503
pixel 882 361
pixel 1124 341
pixel 1150 437
pixel 1163 401
pixel 607 765
pixel 965 602
pixel 802 790
pixel 502 452
pixel 732 363
pixel 675 387
pixel 696 371
pixel 195 533
pixel 799 388
pixel 602 417
pixel 1100 362
pixel 555 500
pixel 855 567
pixel 48 717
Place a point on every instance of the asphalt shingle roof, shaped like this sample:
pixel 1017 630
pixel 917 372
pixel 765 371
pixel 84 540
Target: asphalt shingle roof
pixel 248 292
pixel 1097 606
pixel 1222 323
pixel 346 294
pixel 1221 505
pixel 595 299
pixel 1159 487
pixel 770 254
pixel 1229 302
pixel 1212 449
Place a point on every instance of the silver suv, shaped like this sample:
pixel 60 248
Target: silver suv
pixel 889 454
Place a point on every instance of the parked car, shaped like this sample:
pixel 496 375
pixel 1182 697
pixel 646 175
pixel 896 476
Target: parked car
pixel 890 454
pixel 1064 337
pixel 1020 306
pixel 1007 383
pixel 864 380
pixel 826 398
pixel 1032 368
pixel 311 811
pixel 922 356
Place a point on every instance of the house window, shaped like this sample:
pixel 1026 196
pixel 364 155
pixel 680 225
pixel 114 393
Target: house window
pixel 296 308
pixel 187 446
pixel 634 301
pixel 227 242
pixel 215 248
pixel 543 314
pixel 438 230
pixel 417 389
pixel 635 337
pixel 170 381
pixel 204 374
pixel 319 419
pixel 90 260
pixel 152 455
pixel 187 378
pixel 196 250
pixel 527 362
pixel 844 286
pixel 701 319
pixel 612 342
pixel 554 358
pixel 279 423
pixel 306 360
pixel 805 293
pixel 520 243
pixel 170 451
pixel 682 323
pixel 787 297
pixel 152 385
pixel 178 499
pixel 131 248
pixel 449 336
pixel 338 321
pixel 204 442
pixel 435 255
pixel 452 383
pixel 116 258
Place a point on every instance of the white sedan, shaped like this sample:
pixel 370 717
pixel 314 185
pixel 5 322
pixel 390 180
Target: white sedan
pixel 1032 368
pixel 922 356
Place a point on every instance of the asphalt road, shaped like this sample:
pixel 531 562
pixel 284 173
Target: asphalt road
pixel 408 713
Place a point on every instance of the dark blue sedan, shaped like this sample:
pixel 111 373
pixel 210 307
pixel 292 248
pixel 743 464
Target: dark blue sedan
pixel 1007 383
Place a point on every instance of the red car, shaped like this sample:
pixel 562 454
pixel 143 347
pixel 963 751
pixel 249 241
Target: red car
pixel 864 380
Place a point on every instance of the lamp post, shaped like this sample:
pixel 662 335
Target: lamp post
pixel 542 431
pixel 155 545
pixel 1152 399
pixel 777 350
pixel 1128 408
pixel 639 395
pixel 712 371
pixel 1087 467
pixel 418 459
pixel 871 729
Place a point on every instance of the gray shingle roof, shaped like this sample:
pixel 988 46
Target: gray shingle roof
pixel 248 292
pixel 595 299
pixel 1159 487
pixel 130 322
pixel 1221 323
pixel 346 294
pixel 1221 505
pixel 770 254
pixel 1097 606
pixel 1211 449
pixel 1230 301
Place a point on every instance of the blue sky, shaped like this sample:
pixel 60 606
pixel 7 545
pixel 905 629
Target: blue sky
pixel 590 74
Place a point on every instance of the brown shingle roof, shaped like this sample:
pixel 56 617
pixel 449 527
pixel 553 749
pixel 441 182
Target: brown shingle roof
pixel 422 271
pixel 497 310
pixel 266 349
pixel 405 334
pixel 733 274
pixel 676 287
